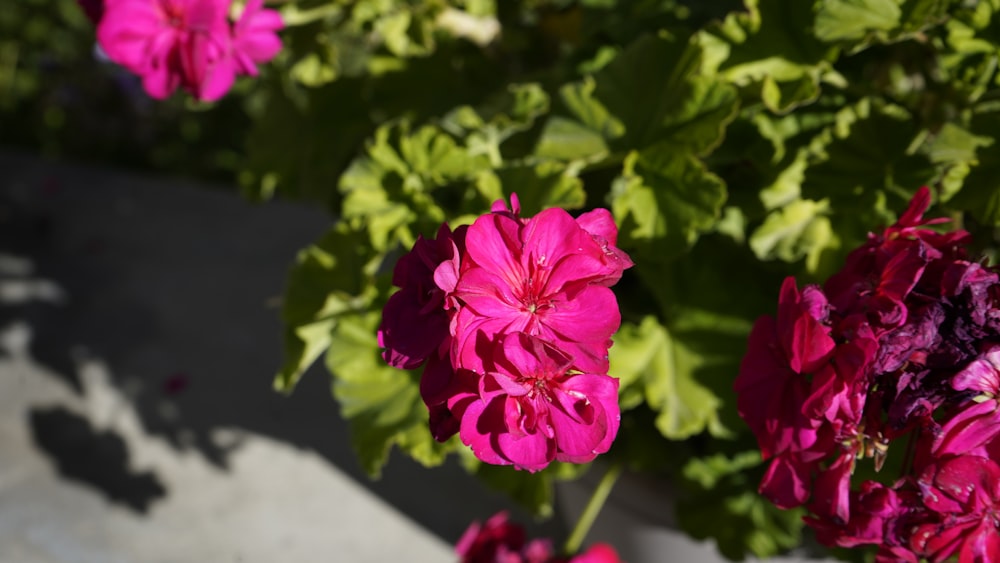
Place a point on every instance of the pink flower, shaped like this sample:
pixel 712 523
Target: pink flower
pixel 598 553
pixel 512 319
pixel 600 225
pixel 542 276
pixel 415 321
pixel 255 38
pixel 189 44
pixel 875 508
pixel 772 385
pixel 171 44
pixel 978 421
pixel 534 406
pixel 501 541
pixel 964 494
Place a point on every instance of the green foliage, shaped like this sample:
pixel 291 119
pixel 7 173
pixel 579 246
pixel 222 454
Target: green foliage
pixel 735 143
pixel 382 403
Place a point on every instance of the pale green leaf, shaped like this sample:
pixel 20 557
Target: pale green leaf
pixel 954 143
pixel 707 472
pixel 665 366
pixel 666 197
pixel 769 47
pixel 568 140
pixel 795 231
pixel 655 91
pixel 838 20
pixel 328 279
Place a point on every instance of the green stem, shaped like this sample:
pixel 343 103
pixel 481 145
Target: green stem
pixel 592 509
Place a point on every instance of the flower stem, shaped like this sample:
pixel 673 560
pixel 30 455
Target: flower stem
pixel 592 509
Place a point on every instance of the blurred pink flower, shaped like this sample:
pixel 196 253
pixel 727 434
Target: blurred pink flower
pixel 501 541
pixel 189 44
pixel 255 38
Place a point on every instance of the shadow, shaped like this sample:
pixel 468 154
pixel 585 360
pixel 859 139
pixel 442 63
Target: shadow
pixel 93 458
pixel 176 290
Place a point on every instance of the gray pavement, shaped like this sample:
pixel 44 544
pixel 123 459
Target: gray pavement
pixel 138 339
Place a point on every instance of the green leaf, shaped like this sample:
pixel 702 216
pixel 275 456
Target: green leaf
pixel 389 188
pixel 839 20
pixel 655 91
pixel 328 279
pixel 631 354
pixel 685 407
pixel 980 192
pixel 798 230
pixel 569 140
pixel 740 520
pixel 870 158
pixel 709 471
pixel 543 185
pixel 381 403
pixel 310 170
pixel 664 199
pixel 768 46
pixel 954 143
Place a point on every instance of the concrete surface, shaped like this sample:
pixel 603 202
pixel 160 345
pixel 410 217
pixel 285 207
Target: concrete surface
pixel 138 339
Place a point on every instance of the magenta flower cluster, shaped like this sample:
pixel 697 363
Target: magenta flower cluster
pixel 511 319
pixel 499 540
pixel 896 359
pixel 188 44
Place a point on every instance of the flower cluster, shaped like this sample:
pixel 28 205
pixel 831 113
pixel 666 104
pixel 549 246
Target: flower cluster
pixel 501 541
pixel 191 44
pixel 511 319
pixel 896 357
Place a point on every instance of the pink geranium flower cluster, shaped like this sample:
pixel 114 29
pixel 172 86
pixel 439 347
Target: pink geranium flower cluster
pixel 502 541
pixel 190 44
pixel 511 319
pixel 897 354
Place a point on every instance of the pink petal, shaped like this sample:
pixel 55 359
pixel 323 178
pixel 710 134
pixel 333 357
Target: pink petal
pixel 599 222
pixel 493 243
pixel 598 553
pixel 591 316
pixel 972 428
pixel 982 545
pixel 552 235
pixel 786 482
pixel 982 374
pixel 832 489
pixel 532 452
pixel 806 341
pixel 218 80
pixel 915 211
pixel 480 423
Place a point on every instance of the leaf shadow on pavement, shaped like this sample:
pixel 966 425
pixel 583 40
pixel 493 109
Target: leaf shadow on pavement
pixel 176 290
pixel 95 458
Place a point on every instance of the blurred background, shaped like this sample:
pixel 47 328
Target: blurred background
pixel 140 333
